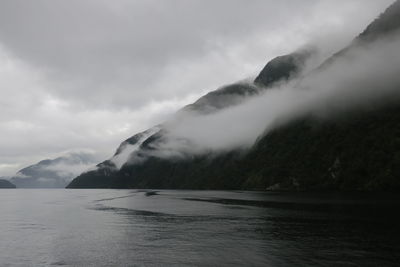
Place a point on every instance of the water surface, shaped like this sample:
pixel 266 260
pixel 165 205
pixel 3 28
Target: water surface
pixel 196 228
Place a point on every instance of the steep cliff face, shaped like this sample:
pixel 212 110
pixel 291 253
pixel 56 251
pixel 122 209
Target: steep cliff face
pixel 354 152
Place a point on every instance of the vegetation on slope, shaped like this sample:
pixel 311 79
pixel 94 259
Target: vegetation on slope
pixel 359 152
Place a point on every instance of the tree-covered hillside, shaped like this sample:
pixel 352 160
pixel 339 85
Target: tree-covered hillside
pixel 357 151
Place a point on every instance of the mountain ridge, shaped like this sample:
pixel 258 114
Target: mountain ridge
pixel 262 168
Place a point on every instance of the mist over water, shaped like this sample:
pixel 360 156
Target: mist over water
pixel 196 228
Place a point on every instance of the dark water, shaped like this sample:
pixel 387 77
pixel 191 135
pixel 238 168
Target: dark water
pixel 196 228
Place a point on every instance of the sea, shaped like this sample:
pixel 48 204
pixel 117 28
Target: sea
pixel 79 227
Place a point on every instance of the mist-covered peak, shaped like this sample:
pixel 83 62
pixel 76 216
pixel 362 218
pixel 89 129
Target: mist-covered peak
pixel 53 173
pixel 281 68
pixel 69 159
pixel 223 97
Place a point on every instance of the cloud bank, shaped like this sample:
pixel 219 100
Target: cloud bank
pixel 363 78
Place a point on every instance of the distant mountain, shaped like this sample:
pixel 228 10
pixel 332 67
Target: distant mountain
pixel 6 184
pixel 358 152
pixel 53 173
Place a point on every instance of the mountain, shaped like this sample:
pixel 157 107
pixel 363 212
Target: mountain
pixel 109 172
pixel 6 184
pixel 283 68
pixel 358 151
pixel 386 23
pixel 53 173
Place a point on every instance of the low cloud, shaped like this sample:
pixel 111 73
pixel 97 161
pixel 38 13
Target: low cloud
pixel 53 173
pixel 364 77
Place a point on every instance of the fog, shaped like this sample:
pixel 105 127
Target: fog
pixel 364 77
pixel 53 173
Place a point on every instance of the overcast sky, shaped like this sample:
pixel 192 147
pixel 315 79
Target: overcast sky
pixel 82 74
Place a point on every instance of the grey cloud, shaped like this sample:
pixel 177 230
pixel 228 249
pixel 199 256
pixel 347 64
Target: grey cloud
pixel 100 52
pixel 89 74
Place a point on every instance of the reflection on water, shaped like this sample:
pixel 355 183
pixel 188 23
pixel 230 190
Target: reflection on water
pixel 198 228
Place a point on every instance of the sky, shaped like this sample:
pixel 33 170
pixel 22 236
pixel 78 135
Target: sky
pixel 87 74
